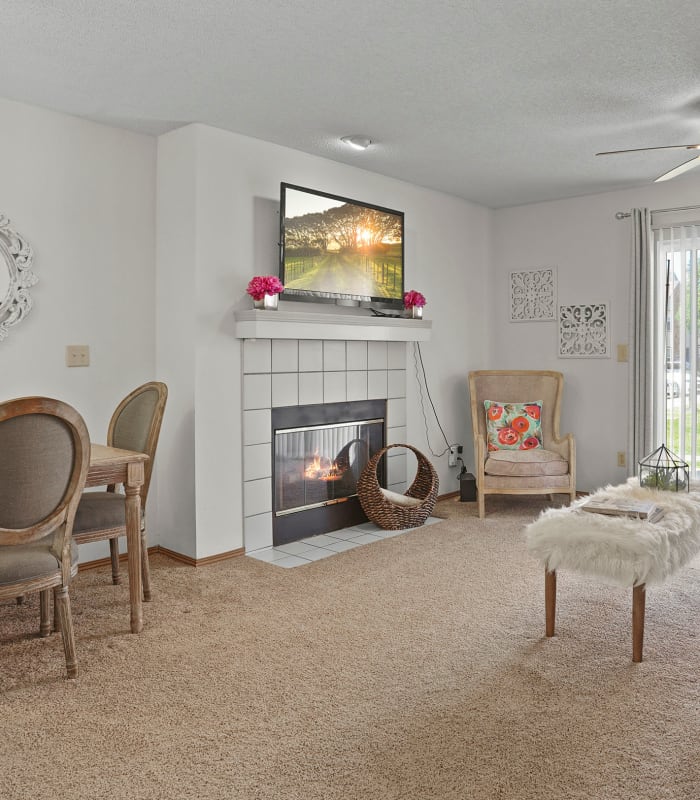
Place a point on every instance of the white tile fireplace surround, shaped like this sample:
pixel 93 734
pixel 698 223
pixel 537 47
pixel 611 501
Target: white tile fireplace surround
pixel 295 372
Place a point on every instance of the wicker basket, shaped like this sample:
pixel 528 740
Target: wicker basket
pixel 389 515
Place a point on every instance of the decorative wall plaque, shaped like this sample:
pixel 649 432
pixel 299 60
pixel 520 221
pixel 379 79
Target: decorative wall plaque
pixel 16 277
pixel 533 295
pixel 584 331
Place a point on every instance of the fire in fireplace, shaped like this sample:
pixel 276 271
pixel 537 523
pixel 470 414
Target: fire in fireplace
pixel 319 452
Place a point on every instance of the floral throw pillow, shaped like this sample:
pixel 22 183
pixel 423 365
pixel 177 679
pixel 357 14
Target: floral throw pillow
pixel 513 426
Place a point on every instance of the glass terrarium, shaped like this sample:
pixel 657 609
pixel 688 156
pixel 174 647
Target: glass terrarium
pixel 664 470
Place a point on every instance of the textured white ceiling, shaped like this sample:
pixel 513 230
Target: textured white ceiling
pixel 502 102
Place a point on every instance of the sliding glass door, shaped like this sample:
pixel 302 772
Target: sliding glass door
pixel 676 263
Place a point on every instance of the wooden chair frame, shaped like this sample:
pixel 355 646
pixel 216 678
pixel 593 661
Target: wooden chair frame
pixel 517 387
pixel 113 534
pixel 59 521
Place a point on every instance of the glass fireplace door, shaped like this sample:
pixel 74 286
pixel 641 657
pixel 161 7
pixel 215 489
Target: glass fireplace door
pixel 319 465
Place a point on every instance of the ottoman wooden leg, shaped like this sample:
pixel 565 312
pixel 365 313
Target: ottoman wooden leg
pixel 550 601
pixel 638 603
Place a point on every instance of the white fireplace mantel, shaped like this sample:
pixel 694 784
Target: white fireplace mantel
pixel 254 324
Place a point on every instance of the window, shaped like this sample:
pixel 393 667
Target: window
pixel 677 355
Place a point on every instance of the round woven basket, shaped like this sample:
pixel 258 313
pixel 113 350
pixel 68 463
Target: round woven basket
pixel 389 515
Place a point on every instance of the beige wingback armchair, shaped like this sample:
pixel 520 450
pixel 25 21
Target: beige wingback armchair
pixel 547 470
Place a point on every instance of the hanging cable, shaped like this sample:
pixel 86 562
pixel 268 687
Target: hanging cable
pixel 418 361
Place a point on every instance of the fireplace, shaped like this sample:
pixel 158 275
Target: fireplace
pixel 318 454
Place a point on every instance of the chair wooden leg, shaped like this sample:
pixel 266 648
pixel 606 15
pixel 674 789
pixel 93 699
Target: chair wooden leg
pixel 63 612
pixel 56 618
pixel 114 556
pixel 638 605
pixel 550 601
pixel 44 612
pixel 481 503
pixel 145 568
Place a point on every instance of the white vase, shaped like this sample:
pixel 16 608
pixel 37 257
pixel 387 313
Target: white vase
pixel 269 302
pixel 415 312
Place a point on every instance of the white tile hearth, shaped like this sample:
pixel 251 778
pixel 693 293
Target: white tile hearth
pixel 257 391
pixel 285 355
pixel 377 383
pixel 306 551
pixel 257 496
pixel 396 411
pixel 334 387
pixel 291 372
pixel 357 383
pixel 285 389
pixel 377 355
pixel 258 356
pixel 310 356
pixel 333 356
pixel 258 462
pixel 396 383
pixel 257 426
pixel 356 356
pixel 310 388
pixel 396 355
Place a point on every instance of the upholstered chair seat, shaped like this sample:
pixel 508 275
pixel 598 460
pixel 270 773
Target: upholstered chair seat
pixel 525 463
pixel 20 564
pixel 101 511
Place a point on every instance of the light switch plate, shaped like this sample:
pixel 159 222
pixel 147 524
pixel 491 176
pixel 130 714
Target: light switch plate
pixel 77 355
pixel 622 353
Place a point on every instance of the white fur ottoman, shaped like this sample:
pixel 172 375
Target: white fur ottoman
pixel 617 550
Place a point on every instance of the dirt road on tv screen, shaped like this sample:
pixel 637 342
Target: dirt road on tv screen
pixel 346 273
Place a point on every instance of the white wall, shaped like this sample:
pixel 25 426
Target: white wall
pixel 235 237
pixel 176 314
pixel 83 195
pixel 591 251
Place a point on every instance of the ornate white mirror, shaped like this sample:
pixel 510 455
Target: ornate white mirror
pixel 16 277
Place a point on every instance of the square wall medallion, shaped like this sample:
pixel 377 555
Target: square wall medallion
pixel 533 295
pixel 584 331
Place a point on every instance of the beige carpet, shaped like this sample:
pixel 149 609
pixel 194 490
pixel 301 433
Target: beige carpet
pixel 412 668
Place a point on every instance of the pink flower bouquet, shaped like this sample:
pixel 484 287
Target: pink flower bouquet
pixel 413 299
pixel 261 285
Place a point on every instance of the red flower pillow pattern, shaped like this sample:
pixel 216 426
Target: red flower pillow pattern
pixel 513 426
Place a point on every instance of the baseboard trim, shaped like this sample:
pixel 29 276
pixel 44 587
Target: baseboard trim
pixel 448 496
pixel 202 562
pixel 191 562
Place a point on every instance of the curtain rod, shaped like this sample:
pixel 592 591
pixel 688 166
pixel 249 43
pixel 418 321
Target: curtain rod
pixel 625 214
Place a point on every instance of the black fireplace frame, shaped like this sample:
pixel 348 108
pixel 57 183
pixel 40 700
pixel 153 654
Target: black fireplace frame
pixel 290 527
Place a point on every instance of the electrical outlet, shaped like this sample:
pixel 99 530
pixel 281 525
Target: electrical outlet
pixel 452 457
pixel 77 355
pixel 621 459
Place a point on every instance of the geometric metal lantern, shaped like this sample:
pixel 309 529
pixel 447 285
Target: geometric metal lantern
pixel 664 470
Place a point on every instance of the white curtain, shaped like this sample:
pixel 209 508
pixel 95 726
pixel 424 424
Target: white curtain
pixel 641 337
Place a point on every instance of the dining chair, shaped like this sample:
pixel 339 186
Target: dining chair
pixel 45 449
pixel 135 425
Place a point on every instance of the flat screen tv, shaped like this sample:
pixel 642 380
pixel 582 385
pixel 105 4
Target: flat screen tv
pixel 333 249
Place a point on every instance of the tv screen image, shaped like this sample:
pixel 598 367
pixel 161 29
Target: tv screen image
pixel 333 248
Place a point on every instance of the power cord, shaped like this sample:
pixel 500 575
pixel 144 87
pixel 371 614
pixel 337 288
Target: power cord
pixel 377 313
pixel 418 361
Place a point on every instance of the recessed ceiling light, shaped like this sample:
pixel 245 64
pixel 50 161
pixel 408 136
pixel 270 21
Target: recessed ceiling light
pixel 357 141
